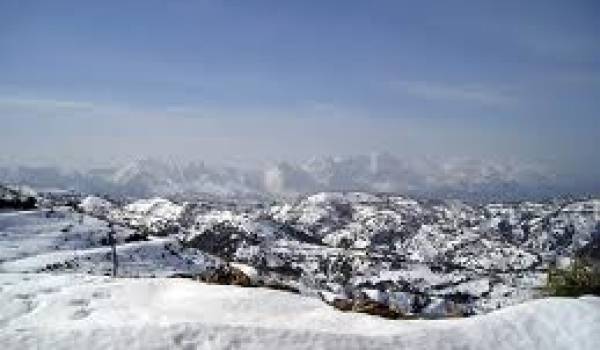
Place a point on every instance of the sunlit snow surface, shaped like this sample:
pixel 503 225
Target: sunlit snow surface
pixel 33 241
pixel 90 312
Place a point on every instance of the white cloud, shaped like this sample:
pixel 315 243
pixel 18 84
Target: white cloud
pixel 16 105
pixel 470 93
pixel 43 105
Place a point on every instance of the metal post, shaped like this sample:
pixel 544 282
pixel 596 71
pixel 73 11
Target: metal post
pixel 113 242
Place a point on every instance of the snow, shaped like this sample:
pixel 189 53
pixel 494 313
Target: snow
pixel 95 205
pixel 592 206
pixel 330 297
pixel 28 233
pixel 24 190
pixel 439 251
pixel 249 225
pixel 156 207
pixel 39 310
pixel 418 276
pixel 400 301
pixel 153 214
pixel 476 287
pixel 248 270
pixel 563 262
pixel 375 295
pixel 31 242
pixel 91 312
pixel 423 259
pixel 327 197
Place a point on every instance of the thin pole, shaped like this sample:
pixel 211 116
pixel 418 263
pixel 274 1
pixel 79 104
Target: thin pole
pixel 113 242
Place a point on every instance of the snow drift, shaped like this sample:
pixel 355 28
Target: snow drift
pixel 74 311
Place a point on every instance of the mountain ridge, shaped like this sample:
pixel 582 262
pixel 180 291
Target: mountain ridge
pixel 379 172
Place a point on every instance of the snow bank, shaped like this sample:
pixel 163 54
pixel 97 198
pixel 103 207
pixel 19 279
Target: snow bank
pixel 56 312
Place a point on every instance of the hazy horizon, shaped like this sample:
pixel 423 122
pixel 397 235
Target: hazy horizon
pixel 254 83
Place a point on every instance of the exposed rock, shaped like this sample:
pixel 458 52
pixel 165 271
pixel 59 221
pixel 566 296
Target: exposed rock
pixel 227 274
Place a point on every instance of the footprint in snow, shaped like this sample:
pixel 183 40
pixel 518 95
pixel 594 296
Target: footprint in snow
pixel 101 294
pixel 29 305
pixel 23 296
pixel 79 302
pixel 81 313
pixel 49 290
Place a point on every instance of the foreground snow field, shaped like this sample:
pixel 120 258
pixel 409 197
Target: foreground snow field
pixel 48 311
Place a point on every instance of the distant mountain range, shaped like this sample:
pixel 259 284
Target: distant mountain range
pixel 382 172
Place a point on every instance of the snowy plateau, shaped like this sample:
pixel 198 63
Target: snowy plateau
pixel 329 270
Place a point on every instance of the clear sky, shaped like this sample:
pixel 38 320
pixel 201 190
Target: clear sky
pixel 256 80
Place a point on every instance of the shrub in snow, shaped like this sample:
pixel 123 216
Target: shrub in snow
pixel 368 301
pixel 580 278
pixel 374 295
pixel 375 308
pixel 439 308
pixel 401 302
pixel 235 274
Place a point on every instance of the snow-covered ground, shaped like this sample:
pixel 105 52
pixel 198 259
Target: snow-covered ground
pixel 36 241
pixel 91 312
pixel 388 256
pixel 477 259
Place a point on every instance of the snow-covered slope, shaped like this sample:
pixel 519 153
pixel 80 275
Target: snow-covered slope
pixel 154 214
pixel 376 253
pixel 34 241
pixel 67 312
pixel 439 255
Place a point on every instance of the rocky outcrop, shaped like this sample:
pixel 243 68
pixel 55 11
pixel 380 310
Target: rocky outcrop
pixel 227 274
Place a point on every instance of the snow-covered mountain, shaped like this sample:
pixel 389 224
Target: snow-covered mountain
pixel 141 178
pixel 381 172
pixel 382 254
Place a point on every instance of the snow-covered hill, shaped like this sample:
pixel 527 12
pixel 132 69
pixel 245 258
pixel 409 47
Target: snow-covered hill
pixel 87 312
pixel 411 258
pixel 382 254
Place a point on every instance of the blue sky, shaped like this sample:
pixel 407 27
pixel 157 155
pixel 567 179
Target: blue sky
pixel 290 79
